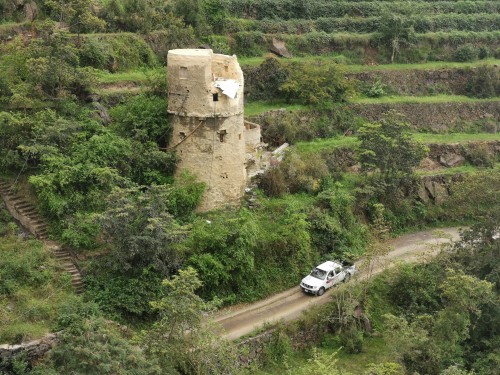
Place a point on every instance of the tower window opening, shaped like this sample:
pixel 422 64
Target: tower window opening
pixel 222 135
pixel 215 97
pixel 183 72
pixel 226 68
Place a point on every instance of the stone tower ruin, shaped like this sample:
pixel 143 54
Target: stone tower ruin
pixel 206 107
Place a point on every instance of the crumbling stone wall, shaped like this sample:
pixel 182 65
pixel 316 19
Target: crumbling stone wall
pixel 31 351
pixel 208 128
pixel 437 117
pixel 417 82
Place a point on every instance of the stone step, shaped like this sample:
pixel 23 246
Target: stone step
pixel 17 200
pixel 29 213
pixel 24 207
pixel 61 253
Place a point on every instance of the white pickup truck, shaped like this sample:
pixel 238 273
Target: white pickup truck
pixel 326 275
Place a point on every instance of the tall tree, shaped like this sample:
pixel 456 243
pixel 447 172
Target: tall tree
pixel 395 31
pixel 387 147
pixel 78 14
pixel 182 339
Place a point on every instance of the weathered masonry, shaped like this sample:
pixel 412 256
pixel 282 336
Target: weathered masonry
pixel 209 134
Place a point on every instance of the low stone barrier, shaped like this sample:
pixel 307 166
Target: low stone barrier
pixel 31 351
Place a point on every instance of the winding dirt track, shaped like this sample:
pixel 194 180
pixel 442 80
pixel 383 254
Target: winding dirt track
pixel 288 305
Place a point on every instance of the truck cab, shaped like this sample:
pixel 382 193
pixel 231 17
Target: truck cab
pixel 325 276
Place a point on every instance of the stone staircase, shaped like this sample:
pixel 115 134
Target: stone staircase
pixel 28 216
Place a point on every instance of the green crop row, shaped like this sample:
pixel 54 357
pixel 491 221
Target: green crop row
pixel 421 24
pixel 291 9
pixel 255 43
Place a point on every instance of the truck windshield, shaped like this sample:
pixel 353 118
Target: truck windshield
pixel 319 274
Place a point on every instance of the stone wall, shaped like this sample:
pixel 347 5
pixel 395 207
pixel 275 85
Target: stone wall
pixel 418 82
pixel 436 117
pixel 31 351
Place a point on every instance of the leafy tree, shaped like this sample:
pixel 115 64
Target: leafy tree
pixel 334 228
pixel 142 231
pixel 484 82
pixel 317 84
pixel 89 344
pixel 395 31
pixel 182 339
pixel 216 13
pixel 124 297
pixel 223 253
pixel 387 147
pixel 47 68
pixel 78 14
pixel 476 196
pixel 143 118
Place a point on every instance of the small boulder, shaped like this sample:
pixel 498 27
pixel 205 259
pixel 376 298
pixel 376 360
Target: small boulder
pixel 451 160
pixel 278 47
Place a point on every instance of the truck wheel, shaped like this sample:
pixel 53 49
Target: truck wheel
pixel 321 291
pixel 347 277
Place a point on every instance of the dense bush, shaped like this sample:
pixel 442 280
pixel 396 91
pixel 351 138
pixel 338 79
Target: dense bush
pixel 143 118
pixel 317 84
pixel 484 82
pixel 119 52
pixel 288 9
pixel 465 53
pixel 421 24
pixel 33 288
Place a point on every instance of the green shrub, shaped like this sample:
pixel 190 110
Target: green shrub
pixel 248 43
pixel 144 118
pixel 376 90
pixel 123 51
pixel 316 84
pixel 465 53
pixel 124 297
pixel 480 155
pixel 279 348
pixel 483 82
pixel 484 52
pixel 94 53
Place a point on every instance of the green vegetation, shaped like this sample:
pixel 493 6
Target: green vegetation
pixel 33 288
pixel 84 125
pixel 410 311
pixel 421 99
pixel 256 108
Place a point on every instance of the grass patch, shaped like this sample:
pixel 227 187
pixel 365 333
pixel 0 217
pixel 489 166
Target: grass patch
pixel 256 108
pixel 455 137
pixel 375 350
pixel 318 145
pixel 422 99
pixel 322 144
pixel 33 287
pixel 133 76
pixel 463 169
pixel 432 65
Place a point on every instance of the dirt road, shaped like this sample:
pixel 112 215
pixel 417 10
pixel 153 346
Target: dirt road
pixel 290 304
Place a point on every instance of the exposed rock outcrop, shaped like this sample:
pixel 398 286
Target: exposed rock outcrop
pixel 278 48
